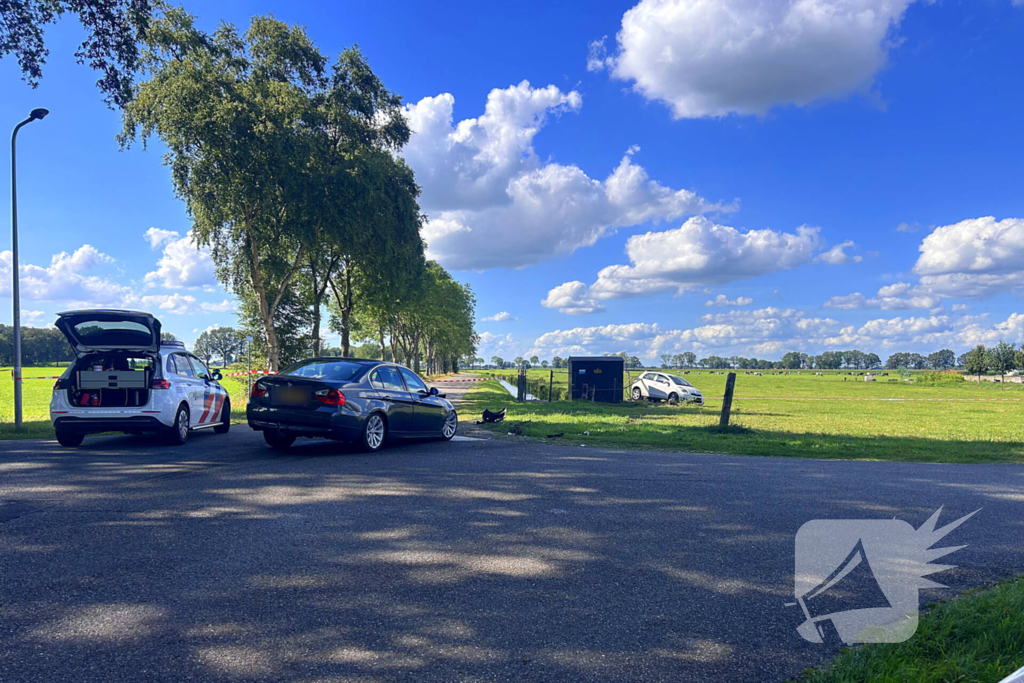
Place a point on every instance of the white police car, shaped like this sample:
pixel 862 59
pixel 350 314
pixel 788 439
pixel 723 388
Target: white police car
pixel 127 380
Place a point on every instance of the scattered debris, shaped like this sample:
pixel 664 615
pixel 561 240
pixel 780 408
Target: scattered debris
pixel 555 436
pixel 586 433
pixel 494 417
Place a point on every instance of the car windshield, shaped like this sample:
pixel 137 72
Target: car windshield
pixel 336 370
pixel 680 381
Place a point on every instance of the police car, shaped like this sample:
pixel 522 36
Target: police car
pixel 127 380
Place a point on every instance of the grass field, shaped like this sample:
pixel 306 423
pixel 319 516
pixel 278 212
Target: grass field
pixel 976 637
pixel 927 431
pixel 36 398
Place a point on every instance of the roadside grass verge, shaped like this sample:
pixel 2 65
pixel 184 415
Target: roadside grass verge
pixel 976 637
pixel 914 432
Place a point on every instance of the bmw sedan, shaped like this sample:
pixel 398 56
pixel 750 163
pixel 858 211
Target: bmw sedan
pixel 366 402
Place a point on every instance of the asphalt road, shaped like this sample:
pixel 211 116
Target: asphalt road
pixel 127 560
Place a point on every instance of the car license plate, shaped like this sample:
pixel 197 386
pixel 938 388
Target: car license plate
pixel 290 396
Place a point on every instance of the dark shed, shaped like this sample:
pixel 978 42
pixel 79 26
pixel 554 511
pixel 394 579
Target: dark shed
pixel 597 378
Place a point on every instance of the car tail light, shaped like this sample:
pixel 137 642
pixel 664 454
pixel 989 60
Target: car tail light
pixel 257 390
pixel 160 384
pixel 59 384
pixel 330 397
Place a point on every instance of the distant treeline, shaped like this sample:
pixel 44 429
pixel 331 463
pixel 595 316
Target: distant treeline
pixel 39 346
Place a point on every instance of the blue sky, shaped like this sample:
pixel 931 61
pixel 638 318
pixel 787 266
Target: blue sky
pixel 600 194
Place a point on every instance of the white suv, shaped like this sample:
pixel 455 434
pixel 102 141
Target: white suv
pixel 127 380
pixel 661 386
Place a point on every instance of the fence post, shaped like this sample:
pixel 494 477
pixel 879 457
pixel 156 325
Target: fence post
pixel 521 387
pixel 551 381
pixel 730 384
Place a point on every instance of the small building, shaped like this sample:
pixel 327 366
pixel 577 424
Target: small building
pixel 596 378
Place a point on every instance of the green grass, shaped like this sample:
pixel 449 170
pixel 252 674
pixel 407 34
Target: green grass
pixel 36 401
pixel 925 432
pixel 977 637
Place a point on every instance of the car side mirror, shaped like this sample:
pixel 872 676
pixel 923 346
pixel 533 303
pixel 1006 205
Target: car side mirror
pixel 217 376
pixel 434 391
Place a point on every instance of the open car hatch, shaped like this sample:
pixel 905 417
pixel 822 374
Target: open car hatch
pixel 110 330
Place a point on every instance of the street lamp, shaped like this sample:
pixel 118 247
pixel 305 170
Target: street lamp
pixel 16 290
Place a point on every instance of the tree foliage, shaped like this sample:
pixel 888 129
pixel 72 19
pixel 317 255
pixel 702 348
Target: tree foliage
pixel 287 169
pixel 113 29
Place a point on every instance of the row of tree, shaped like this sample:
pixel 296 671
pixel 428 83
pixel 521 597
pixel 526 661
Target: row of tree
pixel 289 170
pixel 1000 359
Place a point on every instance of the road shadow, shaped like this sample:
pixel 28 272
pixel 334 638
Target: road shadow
pixel 435 561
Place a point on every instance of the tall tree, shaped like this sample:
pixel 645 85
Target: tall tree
pixel 976 360
pixel 1002 358
pixel 275 154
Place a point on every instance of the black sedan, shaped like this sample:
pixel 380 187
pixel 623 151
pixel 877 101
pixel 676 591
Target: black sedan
pixel 347 399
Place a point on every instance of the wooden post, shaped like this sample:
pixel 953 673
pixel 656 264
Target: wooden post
pixel 551 382
pixel 730 384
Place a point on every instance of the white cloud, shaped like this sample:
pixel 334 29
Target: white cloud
pixel 181 304
pixel 492 202
pixel 32 317
pixel 158 236
pixel 182 265
pixel 597 54
pixel 837 255
pixel 908 227
pixel 65 279
pixel 723 300
pixel 572 298
pixel 973 258
pixel 502 317
pixel 769 332
pixel 503 345
pixel 899 296
pixel 697 254
pixel 69 282
pixel 706 58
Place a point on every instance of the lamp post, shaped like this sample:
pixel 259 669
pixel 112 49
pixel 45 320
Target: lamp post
pixel 16 289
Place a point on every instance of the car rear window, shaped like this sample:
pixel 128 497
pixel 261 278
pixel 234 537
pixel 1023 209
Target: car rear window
pixel 113 333
pixel 336 370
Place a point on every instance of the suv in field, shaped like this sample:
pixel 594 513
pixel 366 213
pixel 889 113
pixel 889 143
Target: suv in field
pixel 127 380
pixel 661 386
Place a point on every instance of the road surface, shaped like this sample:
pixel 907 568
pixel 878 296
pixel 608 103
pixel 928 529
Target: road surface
pixel 222 560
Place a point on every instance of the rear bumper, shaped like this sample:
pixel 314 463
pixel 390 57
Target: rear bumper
pixel 322 422
pixel 84 425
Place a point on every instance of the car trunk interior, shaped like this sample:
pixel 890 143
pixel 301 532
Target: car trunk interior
pixel 111 380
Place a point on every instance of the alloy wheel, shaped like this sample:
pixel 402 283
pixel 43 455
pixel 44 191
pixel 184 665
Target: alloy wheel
pixel 374 432
pixel 451 423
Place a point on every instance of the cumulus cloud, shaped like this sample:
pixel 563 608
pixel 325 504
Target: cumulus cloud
pixel 973 258
pixel 181 304
pixel 745 56
pixel 899 296
pixel 71 281
pixel 837 255
pixel 572 298
pixel 492 202
pixel 504 345
pixel 158 236
pixel 723 300
pixel 697 254
pixel 502 317
pixel 67 278
pixel 772 331
pixel 182 265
